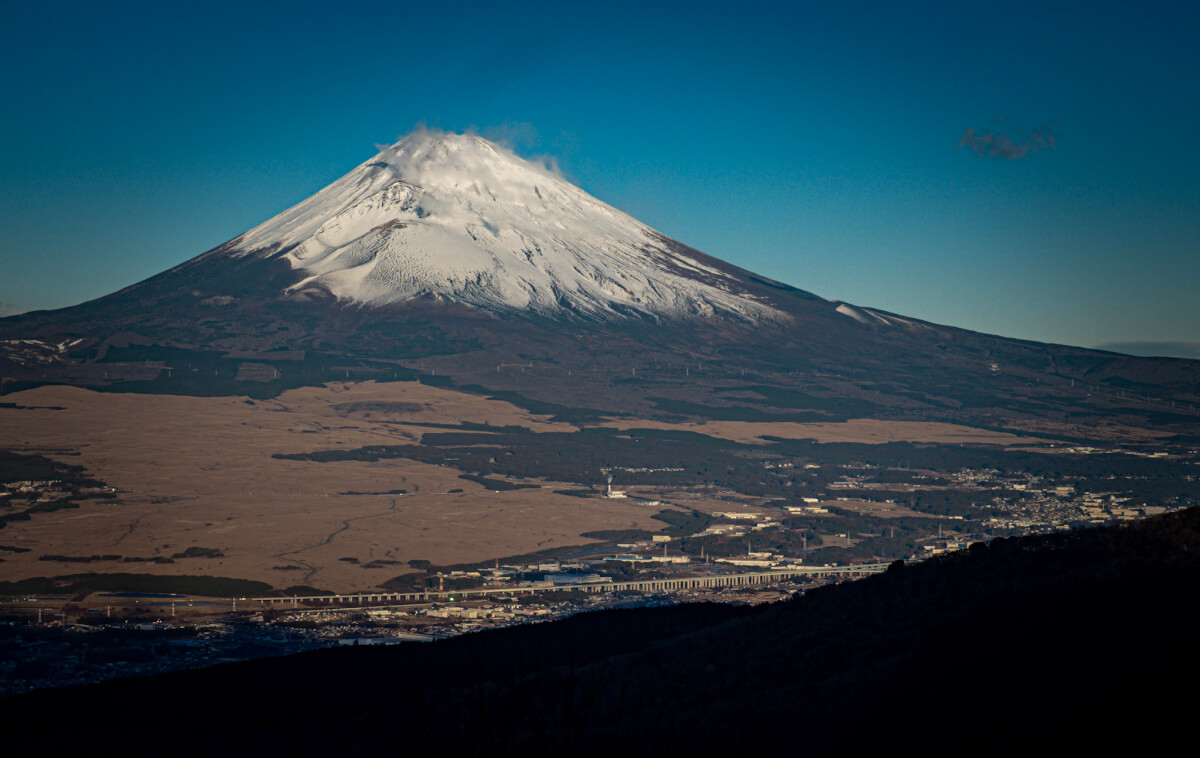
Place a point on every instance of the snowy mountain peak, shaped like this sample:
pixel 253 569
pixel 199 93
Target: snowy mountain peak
pixel 443 160
pixel 460 218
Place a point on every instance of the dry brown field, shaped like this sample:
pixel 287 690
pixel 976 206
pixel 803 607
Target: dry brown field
pixel 199 472
pixel 1105 431
pixel 861 430
pixel 876 509
pixel 706 499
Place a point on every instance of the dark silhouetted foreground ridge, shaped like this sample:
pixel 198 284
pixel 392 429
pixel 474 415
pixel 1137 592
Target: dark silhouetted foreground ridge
pixel 1075 640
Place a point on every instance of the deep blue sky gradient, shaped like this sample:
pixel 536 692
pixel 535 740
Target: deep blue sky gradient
pixel 811 143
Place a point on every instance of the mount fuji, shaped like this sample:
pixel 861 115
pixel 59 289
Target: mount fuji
pixel 450 254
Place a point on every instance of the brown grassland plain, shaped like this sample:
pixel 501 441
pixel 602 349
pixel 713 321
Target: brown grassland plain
pixel 199 472
pixel 867 431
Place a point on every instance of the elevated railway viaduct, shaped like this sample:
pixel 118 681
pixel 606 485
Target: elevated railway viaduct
pixel 647 585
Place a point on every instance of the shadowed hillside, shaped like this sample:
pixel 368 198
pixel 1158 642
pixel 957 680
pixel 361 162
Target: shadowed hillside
pixel 1072 640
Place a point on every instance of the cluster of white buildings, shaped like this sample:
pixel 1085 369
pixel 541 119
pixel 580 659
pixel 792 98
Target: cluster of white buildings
pixel 634 558
pixel 46 489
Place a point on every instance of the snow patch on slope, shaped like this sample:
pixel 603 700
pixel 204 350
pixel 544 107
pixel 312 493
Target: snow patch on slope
pixel 871 316
pixel 457 216
pixel 854 313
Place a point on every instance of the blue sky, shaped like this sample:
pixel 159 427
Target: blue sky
pixel 814 144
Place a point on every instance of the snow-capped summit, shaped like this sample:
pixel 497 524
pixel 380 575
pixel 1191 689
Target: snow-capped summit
pixel 460 218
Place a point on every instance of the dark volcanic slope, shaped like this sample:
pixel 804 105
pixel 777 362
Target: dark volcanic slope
pixel 1069 641
pixel 560 298
pixel 868 364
